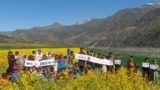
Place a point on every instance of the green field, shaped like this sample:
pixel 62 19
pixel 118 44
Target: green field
pixel 125 56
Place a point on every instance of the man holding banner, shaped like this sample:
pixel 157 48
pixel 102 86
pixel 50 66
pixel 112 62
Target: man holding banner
pixel 117 63
pixel 81 62
pixel 145 68
pixel 154 68
pixel 110 64
pixel 89 63
pixel 39 55
pixel 97 65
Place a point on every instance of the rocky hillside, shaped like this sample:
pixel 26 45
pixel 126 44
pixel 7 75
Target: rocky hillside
pixel 131 27
pixel 9 40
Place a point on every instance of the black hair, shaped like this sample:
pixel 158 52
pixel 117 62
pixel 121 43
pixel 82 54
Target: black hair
pixel 131 56
pixel 91 50
pixel 109 53
pixel 81 47
pixel 4 75
pixel 146 58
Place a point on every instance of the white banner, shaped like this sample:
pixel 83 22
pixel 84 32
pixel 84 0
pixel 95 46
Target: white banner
pixel 106 62
pixel 117 62
pixel 29 63
pixel 145 65
pixel 39 63
pixel 81 56
pixel 109 62
pixel 153 66
pixel 47 62
pixel 36 63
pixel 94 59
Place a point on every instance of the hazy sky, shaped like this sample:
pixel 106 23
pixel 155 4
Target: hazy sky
pixel 25 14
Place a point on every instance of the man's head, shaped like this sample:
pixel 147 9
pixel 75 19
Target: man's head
pixel 4 75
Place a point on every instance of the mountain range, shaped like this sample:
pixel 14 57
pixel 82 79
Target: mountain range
pixel 130 27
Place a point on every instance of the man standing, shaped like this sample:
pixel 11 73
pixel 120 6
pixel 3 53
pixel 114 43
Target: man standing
pixel 81 62
pixel 39 55
pixel 154 68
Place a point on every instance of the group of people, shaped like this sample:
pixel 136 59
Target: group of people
pixel 150 70
pixel 65 68
pixel 12 72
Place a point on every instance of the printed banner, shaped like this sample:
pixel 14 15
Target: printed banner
pixel 153 66
pixel 106 62
pixel 81 56
pixel 117 62
pixel 37 63
pixel 144 64
pixel 29 63
pixel 109 62
pixel 47 62
pixel 94 59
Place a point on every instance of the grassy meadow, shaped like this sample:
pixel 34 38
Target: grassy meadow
pixel 125 56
